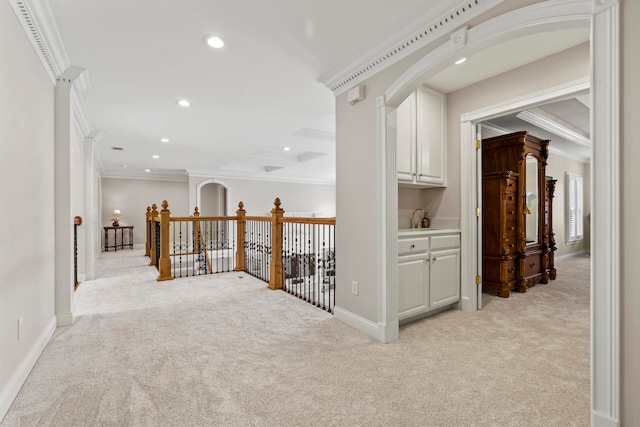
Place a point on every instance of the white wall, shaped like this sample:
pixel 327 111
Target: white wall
pixel 27 226
pixel 557 167
pixel 132 196
pixel 213 200
pixel 258 196
pixel 630 177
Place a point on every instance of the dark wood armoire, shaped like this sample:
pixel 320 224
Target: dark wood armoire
pixel 517 198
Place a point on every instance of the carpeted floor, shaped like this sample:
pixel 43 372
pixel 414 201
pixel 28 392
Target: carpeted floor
pixel 224 350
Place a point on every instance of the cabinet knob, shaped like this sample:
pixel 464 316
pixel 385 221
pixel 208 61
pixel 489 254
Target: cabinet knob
pixel 533 264
pixel 413 246
pixel 510 212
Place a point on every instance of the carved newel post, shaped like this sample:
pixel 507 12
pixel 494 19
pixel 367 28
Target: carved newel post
pixel 196 231
pixel 147 245
pixel 276 270
pixel 153 249
pixel 240 253
pixel 164 263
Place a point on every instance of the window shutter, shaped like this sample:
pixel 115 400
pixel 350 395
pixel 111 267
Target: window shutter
pixel 575 226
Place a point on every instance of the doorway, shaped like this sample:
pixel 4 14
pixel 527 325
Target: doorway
pixel 548 221
pixel 213 200
pixel 605 132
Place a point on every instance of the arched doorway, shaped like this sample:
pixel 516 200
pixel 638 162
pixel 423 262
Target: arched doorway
pixel 605 96
pixel 212 198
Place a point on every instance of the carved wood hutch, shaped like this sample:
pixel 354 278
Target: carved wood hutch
pixel 517 234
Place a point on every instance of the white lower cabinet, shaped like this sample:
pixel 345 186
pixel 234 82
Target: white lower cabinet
pixel 428 273
pixel 412 298
pixel 444 278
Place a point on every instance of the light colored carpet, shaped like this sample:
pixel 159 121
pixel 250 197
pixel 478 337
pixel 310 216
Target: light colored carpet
pixel 224 350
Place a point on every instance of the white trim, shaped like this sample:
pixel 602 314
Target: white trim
pixel 387 228
pixel 605 213
pixel 550 123
pixel 208 174
pixel 544 96
pixel 10 390
pixel 421 32
pixel 38 23
pixel 374 330
pixel 602 420
pixel 549 14
pixel 468 223
pixel 65 319
pixel 571 255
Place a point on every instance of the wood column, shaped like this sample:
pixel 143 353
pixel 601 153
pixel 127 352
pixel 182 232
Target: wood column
pixel 152 243
pixel 164 264
pixel 147 245
pixel 240 231
pixel 276 270
pixel 196 231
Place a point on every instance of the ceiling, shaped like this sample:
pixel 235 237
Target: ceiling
pixel 251 99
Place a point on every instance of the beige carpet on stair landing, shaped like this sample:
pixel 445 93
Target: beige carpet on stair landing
pixel 223 350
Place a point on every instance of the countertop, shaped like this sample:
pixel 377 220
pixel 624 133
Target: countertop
pixel 426 231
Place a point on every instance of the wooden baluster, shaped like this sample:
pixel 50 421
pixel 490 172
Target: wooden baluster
pixel 164 265
pixel 147 245
pixel 240 230
pixel 276 269
pixel 152 244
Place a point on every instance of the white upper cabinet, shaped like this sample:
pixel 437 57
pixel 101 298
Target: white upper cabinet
pixel 420 139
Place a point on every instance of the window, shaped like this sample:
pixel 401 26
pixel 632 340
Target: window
pixel 575 225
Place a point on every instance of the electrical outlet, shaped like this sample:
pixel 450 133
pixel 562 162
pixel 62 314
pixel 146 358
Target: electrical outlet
pixel 354 287
pixel 20 327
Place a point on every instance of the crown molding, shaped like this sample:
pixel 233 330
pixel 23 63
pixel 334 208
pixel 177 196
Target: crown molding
pixel 422 31
pixel 38 23
pixel 546 121
pixel 491 129
pixel 41 29
pixel 256 177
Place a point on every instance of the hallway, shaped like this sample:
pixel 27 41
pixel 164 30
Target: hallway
pixel 225 350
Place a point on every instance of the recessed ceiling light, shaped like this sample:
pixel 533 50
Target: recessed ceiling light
pixel 214 41
pixel 460 61
pixel 155 156
pixel 147 170
pixel 287 148
pixel 123 166
pixel 164 139
pixel 184 103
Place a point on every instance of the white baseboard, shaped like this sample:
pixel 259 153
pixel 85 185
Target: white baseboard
pixel 571 255
pixel 65 319
pixel 11 389
pixel 601 420
pixel 375 330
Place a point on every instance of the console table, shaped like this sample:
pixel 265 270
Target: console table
pixel 115 245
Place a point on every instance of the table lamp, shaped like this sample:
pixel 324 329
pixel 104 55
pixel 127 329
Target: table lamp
pixel 115 218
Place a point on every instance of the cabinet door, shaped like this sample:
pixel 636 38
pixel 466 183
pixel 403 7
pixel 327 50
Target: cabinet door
pixel 430 137
pixel 413 289
pixel 444 281
pixel 406 139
